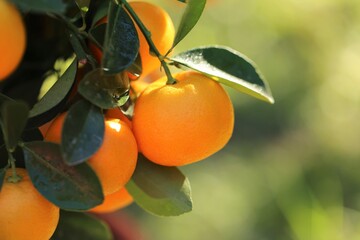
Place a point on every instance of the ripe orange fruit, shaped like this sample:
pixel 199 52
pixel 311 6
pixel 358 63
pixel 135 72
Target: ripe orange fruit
pixel 114 201
pixel 117 114
pixel 138 86
pixel 162 29
pixel 25 213
pixel 115 161
pixel 13 38
pixel 43 128
pixel 182 123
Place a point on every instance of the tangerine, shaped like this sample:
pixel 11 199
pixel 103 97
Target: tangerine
pixel 13 38
pixel 25 213
pixel 115 161
pixel 182 123
pixel 114 201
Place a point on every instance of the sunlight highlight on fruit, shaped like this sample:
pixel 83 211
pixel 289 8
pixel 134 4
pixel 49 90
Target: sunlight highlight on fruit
pixel 115 161
pixel 185 122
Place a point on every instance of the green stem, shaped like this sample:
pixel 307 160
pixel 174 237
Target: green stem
pixel 83 26
pixel 147 35
pixel 14 178
pixel 78 33
pixel 93 40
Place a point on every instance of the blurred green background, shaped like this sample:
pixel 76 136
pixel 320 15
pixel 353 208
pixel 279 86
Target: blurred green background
pixel 291 170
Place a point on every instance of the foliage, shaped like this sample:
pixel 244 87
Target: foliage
pixel 86 89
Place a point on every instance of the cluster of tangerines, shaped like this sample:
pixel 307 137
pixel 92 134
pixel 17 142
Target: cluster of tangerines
pixel 172 125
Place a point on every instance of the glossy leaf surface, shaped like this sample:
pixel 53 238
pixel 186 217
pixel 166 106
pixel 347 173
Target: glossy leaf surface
pixel 71 188
pixel 83 132
pixel 229 67
pixel 75 226
pixel 160 190
pixel 121 44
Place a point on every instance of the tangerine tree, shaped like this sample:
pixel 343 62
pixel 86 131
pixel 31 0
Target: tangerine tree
pixel 94 117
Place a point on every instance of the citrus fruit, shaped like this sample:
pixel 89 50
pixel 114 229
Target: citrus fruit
pixel 118 114
pixel 182 123
pixel 25 213
pixel 162 29
pixel 115 161
pixel 138 86
pixel 114 201
pixel 43 128
pixel 13 38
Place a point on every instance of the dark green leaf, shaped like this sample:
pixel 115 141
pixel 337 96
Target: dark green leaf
pixel 229 67
pixel 42 6
pixel 75 226
pixel 78 47
pixel 14 115
pixel 72 188
pixel 121 44
pixel 2 176
pixel 105 91
pixel 4 98
pixel 191 16
pixel 101 11
pixel 98 33
pixel 115 81
pixel 57 92
pixel 136 67
pixel 163 191
pixel 82 133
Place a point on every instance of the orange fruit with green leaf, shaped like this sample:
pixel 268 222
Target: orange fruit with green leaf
pixel 181 123
pixel 115 161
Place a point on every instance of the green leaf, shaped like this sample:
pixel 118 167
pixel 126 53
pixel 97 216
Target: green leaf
pixel 229 67
pixel 75 226
pixel 42 6
pixel 4 98
pixel 191 16
pixel 100 12
pixel 105 91
pixel 98 33
pixel 160 190
pixel 78 47
pixel 57 92
pixel 14 115
pixel 2 176
pixel 136 67
pixel 121 44
pixel 82 133
pixel 72 188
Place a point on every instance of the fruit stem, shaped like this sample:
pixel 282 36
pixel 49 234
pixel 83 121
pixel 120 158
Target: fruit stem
pixel 78 33
pixel 14 178
pixel 83 26
pixel 147 35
